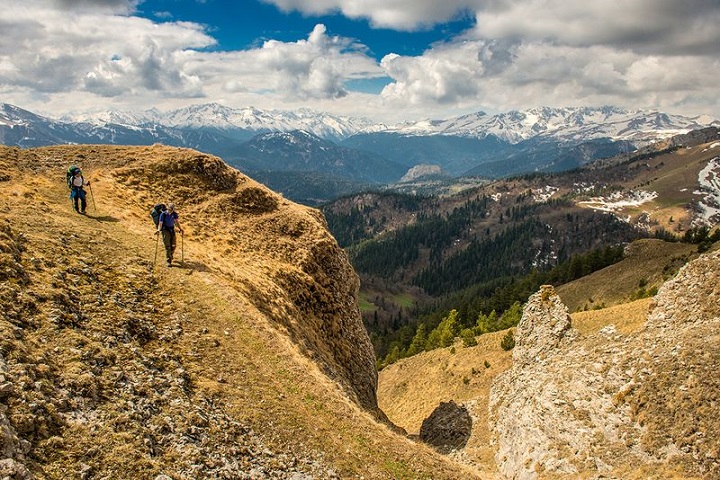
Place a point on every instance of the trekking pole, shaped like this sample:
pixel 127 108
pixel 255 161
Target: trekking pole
pixel 92 197
pixel 157 241
pixel 182 248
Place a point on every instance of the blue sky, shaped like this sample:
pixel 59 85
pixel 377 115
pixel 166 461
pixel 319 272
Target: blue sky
pixel 239 25
pixel 388 60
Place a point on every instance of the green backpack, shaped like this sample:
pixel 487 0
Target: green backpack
pixel 70 174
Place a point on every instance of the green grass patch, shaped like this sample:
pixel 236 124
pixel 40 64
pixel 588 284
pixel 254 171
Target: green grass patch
pixel 401 471
pixel 404 300
pixel 365 304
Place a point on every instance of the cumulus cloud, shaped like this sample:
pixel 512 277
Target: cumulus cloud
pixel 86 52
pixel 522 53
pixel 314 68
pixel 643 53
pixel 666 25
pixel 396 14
pixel 531 74
pixel 89 50
pixel 444 75
pixel 518 54
pixel 304 68
pixel 118 7
pixel 662 27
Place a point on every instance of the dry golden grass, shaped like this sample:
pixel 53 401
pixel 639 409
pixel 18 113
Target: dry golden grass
pixel 409 390
pixel 225 298
pixel 647 264
pixel 627 317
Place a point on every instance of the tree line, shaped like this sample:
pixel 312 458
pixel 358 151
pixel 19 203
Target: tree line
pixel 485 307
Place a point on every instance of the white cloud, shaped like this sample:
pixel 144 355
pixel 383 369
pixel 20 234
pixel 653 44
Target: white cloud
pixel 396 14
pixel 53 51
pixel 442 76
pixel 101 50
pixel 523 53
pixel 57 55
pixel 663 27
pixel 531 74
pixel 669 26
pixel 316 68
pixel 116 7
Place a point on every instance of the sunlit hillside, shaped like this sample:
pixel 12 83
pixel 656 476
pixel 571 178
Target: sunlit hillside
pixel 246 359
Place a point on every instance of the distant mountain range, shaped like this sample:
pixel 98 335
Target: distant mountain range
pixel 358 151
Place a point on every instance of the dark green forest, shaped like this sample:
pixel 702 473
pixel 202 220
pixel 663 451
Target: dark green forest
pixel 476 256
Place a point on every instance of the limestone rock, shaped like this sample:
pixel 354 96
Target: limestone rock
pixel 692 296
pixel 545 323
pixel 12 470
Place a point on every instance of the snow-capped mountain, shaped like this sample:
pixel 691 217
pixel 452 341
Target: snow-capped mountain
pixel 478 144
pixel 565 124
pixel 579 124
pixel 116 117
pixel 249 119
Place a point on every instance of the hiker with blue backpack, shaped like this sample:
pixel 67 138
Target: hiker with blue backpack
pixel 76 182
pixel 167 223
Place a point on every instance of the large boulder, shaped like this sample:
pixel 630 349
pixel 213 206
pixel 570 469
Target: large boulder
pixel 447 428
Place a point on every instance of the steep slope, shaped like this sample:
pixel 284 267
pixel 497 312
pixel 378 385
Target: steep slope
pixel 411 389
pixel 249 361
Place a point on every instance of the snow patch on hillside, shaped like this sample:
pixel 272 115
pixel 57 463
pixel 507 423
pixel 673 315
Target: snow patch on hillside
pixel 619 200
pixel 709 190
pixel 711 146
pixel 542 195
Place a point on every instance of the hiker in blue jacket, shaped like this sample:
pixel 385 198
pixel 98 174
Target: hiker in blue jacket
pixel 77 193
pixel 167 224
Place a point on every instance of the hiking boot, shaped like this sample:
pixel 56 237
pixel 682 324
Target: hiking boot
pixel 168 263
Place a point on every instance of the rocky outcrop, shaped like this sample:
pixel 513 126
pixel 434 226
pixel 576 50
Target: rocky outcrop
pixel 545 326
pixel 550 412
pixel 588 405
